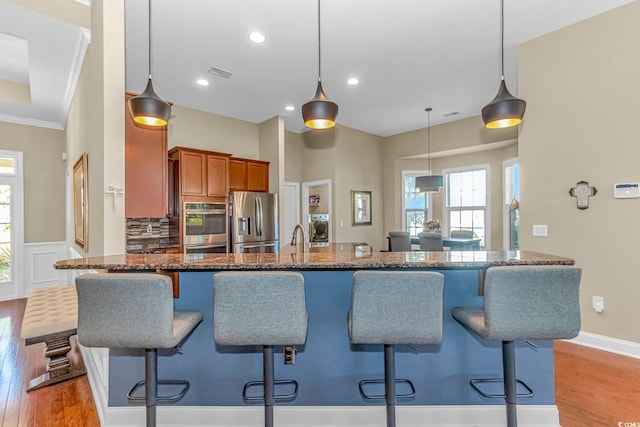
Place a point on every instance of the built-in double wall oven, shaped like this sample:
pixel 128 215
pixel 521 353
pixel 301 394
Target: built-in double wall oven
pixel 205 227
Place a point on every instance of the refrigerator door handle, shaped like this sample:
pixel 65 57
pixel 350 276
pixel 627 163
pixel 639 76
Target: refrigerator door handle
pixel 258 209
pixel 258 245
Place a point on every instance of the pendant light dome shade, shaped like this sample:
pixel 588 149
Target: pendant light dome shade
pixel 319 112
pixel 505 110
pixel 149 109
pixel 429 183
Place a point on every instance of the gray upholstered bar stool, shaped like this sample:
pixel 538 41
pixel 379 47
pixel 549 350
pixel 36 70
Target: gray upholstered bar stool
pixel 523 303
pixel 121 310
pixel 261 308
pixel 394 307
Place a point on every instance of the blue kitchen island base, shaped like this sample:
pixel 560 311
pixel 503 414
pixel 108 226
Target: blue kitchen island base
pixel 328 368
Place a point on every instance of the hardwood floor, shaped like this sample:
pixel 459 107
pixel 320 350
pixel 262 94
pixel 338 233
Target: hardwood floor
pixel 596 388
pixel 593 388
pixel 67 404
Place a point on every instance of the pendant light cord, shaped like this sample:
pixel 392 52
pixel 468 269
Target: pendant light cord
pixel 428 109
pixel 149 39
pixel 502 38
pixel 319 56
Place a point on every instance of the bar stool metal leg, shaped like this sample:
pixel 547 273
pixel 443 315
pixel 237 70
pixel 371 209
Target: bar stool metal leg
pixel 151 384
pixel 390 383
pixel 511 395
pixel 267 361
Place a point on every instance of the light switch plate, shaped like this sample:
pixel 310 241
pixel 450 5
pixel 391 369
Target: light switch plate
pixel 540 230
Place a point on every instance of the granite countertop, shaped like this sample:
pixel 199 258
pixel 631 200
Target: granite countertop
pixel 334 256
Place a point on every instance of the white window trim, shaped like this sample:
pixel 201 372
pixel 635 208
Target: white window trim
pixel 10 290
pixel 487 212
pixel 403 217
pixel 505 203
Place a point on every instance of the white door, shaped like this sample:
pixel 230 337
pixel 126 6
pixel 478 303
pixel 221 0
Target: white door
pixel 291 201
pixel 11 224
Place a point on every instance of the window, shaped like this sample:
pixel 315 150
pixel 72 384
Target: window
pixel 511 216
pixel 466 205
pixel 7 183
pixel 415 205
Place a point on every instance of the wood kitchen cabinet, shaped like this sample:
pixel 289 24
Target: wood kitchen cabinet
pixel 201 173
pixel 145 169
pixel 248 175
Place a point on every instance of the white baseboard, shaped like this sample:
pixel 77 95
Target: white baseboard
pixel 334 416
pixel 613 345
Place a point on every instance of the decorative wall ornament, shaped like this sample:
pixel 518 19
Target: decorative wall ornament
pixel 114 191
pixel 581 192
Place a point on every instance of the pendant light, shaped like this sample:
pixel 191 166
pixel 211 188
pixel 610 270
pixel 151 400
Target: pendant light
pixel 514 204
pixel 319 112
pixel 148 108
pixel 429 183
pixel 505 110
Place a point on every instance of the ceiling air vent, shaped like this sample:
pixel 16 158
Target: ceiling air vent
pixel 220 72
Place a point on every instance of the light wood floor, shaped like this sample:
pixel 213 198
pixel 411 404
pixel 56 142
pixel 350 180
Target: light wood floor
pixel 593 388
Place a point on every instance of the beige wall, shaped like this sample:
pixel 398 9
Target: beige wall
pixel 96 126
pixel 358 162
pixel 271 149
pixel 581 85
pixel 44 179
pixel 206 131
pixel 293 148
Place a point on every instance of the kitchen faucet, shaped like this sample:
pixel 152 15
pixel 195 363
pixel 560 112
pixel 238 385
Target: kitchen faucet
pixel 295 235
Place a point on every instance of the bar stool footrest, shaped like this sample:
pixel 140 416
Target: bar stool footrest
pixel 409 395
pixel 160 399
pixel 476 382
pixel 277 397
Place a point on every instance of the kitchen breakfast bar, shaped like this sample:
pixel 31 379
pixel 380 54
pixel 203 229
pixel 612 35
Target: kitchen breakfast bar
pixel 327 367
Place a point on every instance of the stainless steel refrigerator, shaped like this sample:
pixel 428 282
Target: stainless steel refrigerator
pixel 254 222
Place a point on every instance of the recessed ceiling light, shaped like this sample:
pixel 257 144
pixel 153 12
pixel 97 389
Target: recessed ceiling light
pixel 202 82
pixel 289 108
pixel 353 81
pixel 256 37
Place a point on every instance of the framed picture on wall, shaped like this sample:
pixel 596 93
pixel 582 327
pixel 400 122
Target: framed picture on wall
pixel 80 198
pixel 360 207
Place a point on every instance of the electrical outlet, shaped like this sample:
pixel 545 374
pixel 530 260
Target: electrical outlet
pixel 289 355
pixel 597 303
pixel 149 228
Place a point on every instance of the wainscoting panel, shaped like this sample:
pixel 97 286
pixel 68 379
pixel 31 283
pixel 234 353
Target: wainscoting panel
pixel 38 266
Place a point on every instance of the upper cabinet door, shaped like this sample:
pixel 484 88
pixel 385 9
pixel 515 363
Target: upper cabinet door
pixel 193 173
pixel 257 176
pixel 237 175
pixel 248 175
pixel 217 167
pixel 145 165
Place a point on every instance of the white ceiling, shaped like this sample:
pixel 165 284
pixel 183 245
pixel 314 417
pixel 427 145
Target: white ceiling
pixel 408 54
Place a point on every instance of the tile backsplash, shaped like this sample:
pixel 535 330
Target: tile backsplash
pixel 146 234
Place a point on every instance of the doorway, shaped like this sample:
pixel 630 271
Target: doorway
pixel 316 199
pixel 11 223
